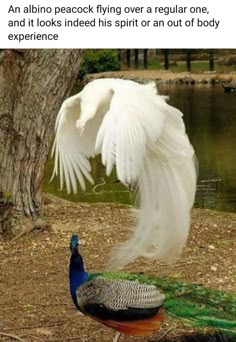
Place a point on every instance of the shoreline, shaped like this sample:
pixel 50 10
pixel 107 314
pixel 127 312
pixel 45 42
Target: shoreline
pixel 166 76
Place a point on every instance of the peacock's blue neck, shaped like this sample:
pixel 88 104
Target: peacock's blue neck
pixel 77 275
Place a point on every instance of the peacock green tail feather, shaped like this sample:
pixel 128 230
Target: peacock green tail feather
pixel 195 305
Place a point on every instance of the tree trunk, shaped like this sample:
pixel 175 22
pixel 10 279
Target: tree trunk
pixel 128 56
pixel 33 84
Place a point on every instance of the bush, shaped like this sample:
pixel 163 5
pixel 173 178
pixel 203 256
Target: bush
pixel 99 61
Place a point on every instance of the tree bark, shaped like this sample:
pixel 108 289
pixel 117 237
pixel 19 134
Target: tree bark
pixel 33 84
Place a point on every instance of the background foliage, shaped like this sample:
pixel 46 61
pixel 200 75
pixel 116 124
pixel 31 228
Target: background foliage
pixel 99 61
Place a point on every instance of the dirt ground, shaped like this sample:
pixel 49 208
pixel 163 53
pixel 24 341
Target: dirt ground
pixel 35 303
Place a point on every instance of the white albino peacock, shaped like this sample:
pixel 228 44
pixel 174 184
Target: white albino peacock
pixel 135 130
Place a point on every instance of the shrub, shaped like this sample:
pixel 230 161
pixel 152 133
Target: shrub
pixel 99 61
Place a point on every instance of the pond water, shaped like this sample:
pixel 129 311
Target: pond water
pixel 210 118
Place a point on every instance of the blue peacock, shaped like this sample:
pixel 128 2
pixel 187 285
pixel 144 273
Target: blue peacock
pixel 137 304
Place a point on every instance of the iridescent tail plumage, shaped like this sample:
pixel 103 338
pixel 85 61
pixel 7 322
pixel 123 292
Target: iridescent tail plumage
pixel 195 305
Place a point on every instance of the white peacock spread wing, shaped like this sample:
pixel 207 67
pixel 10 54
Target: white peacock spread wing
pixel 72 151
pixel 137 131
pixel 129 126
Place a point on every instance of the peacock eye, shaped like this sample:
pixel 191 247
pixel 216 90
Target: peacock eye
pixel 201 306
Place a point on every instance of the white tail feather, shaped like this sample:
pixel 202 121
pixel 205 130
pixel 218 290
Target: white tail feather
pixel 163 218
pixel 167 186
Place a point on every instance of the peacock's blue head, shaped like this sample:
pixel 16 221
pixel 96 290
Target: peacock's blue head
pixel 74 243
pixel 76 260
pixel 77 274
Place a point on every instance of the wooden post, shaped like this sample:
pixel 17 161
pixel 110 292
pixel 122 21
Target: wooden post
pixel 145 58
pixel 188 60
pixel 136 58
pixel 211 60
pixel 166 59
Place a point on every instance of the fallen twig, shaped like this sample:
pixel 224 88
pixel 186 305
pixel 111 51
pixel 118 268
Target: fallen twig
pixel 66 339
pixel 14 337
pixel 35 337
pixel 165 334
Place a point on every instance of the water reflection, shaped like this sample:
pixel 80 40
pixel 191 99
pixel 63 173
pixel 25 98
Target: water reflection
pixel 210 118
